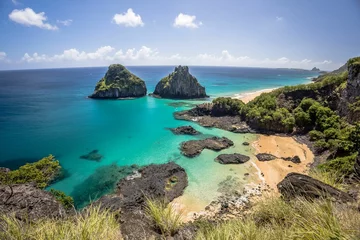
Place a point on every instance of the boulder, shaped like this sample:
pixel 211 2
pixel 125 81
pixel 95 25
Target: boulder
pixel 193 148
pixel 29 203
pixel 185 130
pixel 117 83
pixel 300 185
pixel 265 157
pixel 234 158
pixel 180 84
pixel 295 159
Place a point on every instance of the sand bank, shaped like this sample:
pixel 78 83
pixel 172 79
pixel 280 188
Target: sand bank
pixel 247 97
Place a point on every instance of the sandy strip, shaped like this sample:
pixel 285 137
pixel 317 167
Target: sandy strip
pixel 274 171
pixel 247 97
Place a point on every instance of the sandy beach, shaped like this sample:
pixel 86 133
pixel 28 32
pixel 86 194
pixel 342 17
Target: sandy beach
pixel 247 97
pixel 274 171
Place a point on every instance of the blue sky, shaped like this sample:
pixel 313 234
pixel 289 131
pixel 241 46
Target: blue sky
pixel 256 33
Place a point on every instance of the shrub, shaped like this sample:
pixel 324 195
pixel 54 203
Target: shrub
pixel 331 133
pixel 321 145
pixel 302 119
pixel 66 201
pixel 41 172
pixel 92 224
pixel 316 135
pixel 343 166
pixel 164 216
pixel 227 106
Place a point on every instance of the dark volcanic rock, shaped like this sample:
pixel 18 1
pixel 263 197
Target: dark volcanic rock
pixel 245 143
pixel 299 185
pixel 180 84
pixel 187 130
pixel 193 148
pixel 28 202
pixel 234 158
pixel 118 82
pixel 265 157
pixel 165 181
pixel 295 159
pixel 93 156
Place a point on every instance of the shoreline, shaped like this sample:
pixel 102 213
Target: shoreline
pixel 249 96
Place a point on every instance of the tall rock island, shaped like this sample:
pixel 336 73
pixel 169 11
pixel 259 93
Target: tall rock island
pixel 118 82
pixel 180 84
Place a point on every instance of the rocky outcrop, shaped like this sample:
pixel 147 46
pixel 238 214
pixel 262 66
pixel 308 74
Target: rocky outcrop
pixel 180 84
pixel 300 185
pixel 315 69
pixel 265 157
pixel 234 158
pixel 295 159
pixel 119 83
pixel 184 130
pixel 165 181
pixel 193 148
pixel 29 203
pixel 94 155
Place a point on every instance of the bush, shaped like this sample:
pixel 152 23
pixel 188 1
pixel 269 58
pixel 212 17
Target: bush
pixel 66 201
pixel 321 145
pixel 342 166
pixel 331 133
pixel 164 216
pixel 316 135
pixel 302 119
pixel 227 106
pixel 41 172
pixel 92 224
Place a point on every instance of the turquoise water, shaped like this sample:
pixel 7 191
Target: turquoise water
pixel 47 112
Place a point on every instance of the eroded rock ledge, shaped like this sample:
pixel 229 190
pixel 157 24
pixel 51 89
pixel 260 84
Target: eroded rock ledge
pixel 184 130
pixel 193 148
pixel 234 158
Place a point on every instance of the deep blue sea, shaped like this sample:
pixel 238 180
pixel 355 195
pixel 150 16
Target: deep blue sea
pixel 47 111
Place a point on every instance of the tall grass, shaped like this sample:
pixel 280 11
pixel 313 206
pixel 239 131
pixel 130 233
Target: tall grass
pixel 331 178
pixel 92 224
pixel 275 219
pixel 164 216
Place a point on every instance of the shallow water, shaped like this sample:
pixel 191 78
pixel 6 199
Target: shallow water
pixel 47 112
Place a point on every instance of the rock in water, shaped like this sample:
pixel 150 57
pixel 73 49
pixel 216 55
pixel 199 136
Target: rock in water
pixel 234 158
pixel 185 130
pixel 28 202
pixel 118 82
pixel 300 185
pixel 180 84
pixel 193 148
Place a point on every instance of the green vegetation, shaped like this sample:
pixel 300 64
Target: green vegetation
pixel 41 173
pixel 275 219
pixel 227 106
pixel 66 201
pixel 92 224
pixel 354 61
pixel 164 216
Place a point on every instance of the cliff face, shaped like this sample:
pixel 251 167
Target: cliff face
pixel 350 97
pixel 180 84
pixel 118 82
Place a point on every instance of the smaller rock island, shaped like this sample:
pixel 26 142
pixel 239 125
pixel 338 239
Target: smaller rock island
pixel 119 83
pixel 180 84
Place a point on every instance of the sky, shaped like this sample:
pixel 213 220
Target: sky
pixel 248 33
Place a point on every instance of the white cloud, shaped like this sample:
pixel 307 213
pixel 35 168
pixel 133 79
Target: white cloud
pixel 279 18
pixel 66 22
pixel 188 21
pixel 128 19
pixel 148 56
pixel 29 18
pixel 2 55
pixel 15 2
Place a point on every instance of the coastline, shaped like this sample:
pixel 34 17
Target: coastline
pixel 247 97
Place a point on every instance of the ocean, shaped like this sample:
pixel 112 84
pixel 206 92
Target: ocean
pixel 47 111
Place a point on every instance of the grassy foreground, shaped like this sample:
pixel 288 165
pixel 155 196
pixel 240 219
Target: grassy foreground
pixel 92 224
pixel 275 219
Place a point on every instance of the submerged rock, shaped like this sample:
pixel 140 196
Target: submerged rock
pixel 180 84
pixel 93 156
pixel 118 82
pixel 300 185
pixel 193 148
pixel 265 157
pixel 186 130
pixel 29 203
pixel 234 158
pixel 245 143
